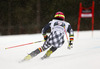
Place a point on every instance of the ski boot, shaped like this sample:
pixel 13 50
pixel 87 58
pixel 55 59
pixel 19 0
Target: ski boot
pixel 31 55
pixel 48 53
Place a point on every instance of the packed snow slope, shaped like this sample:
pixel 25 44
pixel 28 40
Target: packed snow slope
pixel 85 53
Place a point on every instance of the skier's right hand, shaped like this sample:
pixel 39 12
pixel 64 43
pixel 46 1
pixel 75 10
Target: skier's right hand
pixel 70 45
pixel 45 37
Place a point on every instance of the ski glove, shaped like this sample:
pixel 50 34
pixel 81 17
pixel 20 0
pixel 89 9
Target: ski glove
pixel 70 45
pixel 45 37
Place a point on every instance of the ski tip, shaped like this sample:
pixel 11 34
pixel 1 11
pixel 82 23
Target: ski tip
pixel 21 61
pixel 42 58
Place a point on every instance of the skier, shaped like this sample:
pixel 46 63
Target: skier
pixel 56 38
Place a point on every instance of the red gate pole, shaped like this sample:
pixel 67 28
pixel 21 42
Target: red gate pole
pixel 92 17
pixel 79 18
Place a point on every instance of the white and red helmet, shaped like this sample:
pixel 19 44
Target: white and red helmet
pixel 59 15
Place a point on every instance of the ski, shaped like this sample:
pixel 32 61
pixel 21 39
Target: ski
pixel 21 61
pixel 44 57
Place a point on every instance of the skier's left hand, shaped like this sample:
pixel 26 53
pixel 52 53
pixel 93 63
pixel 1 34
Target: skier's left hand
pixel 45 37
pixel 70 45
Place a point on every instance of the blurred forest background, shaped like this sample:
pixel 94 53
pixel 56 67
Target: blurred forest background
pixel 30 16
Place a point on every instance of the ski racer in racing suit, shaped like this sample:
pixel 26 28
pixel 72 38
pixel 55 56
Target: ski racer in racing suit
pixel 56 38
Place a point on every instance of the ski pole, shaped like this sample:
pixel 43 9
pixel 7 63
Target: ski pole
pixel 66 33
pixel 24 44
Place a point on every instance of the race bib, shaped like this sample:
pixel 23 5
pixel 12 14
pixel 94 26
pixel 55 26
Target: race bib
pixel 59 24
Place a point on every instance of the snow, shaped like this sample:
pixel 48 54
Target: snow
pixel 85 53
